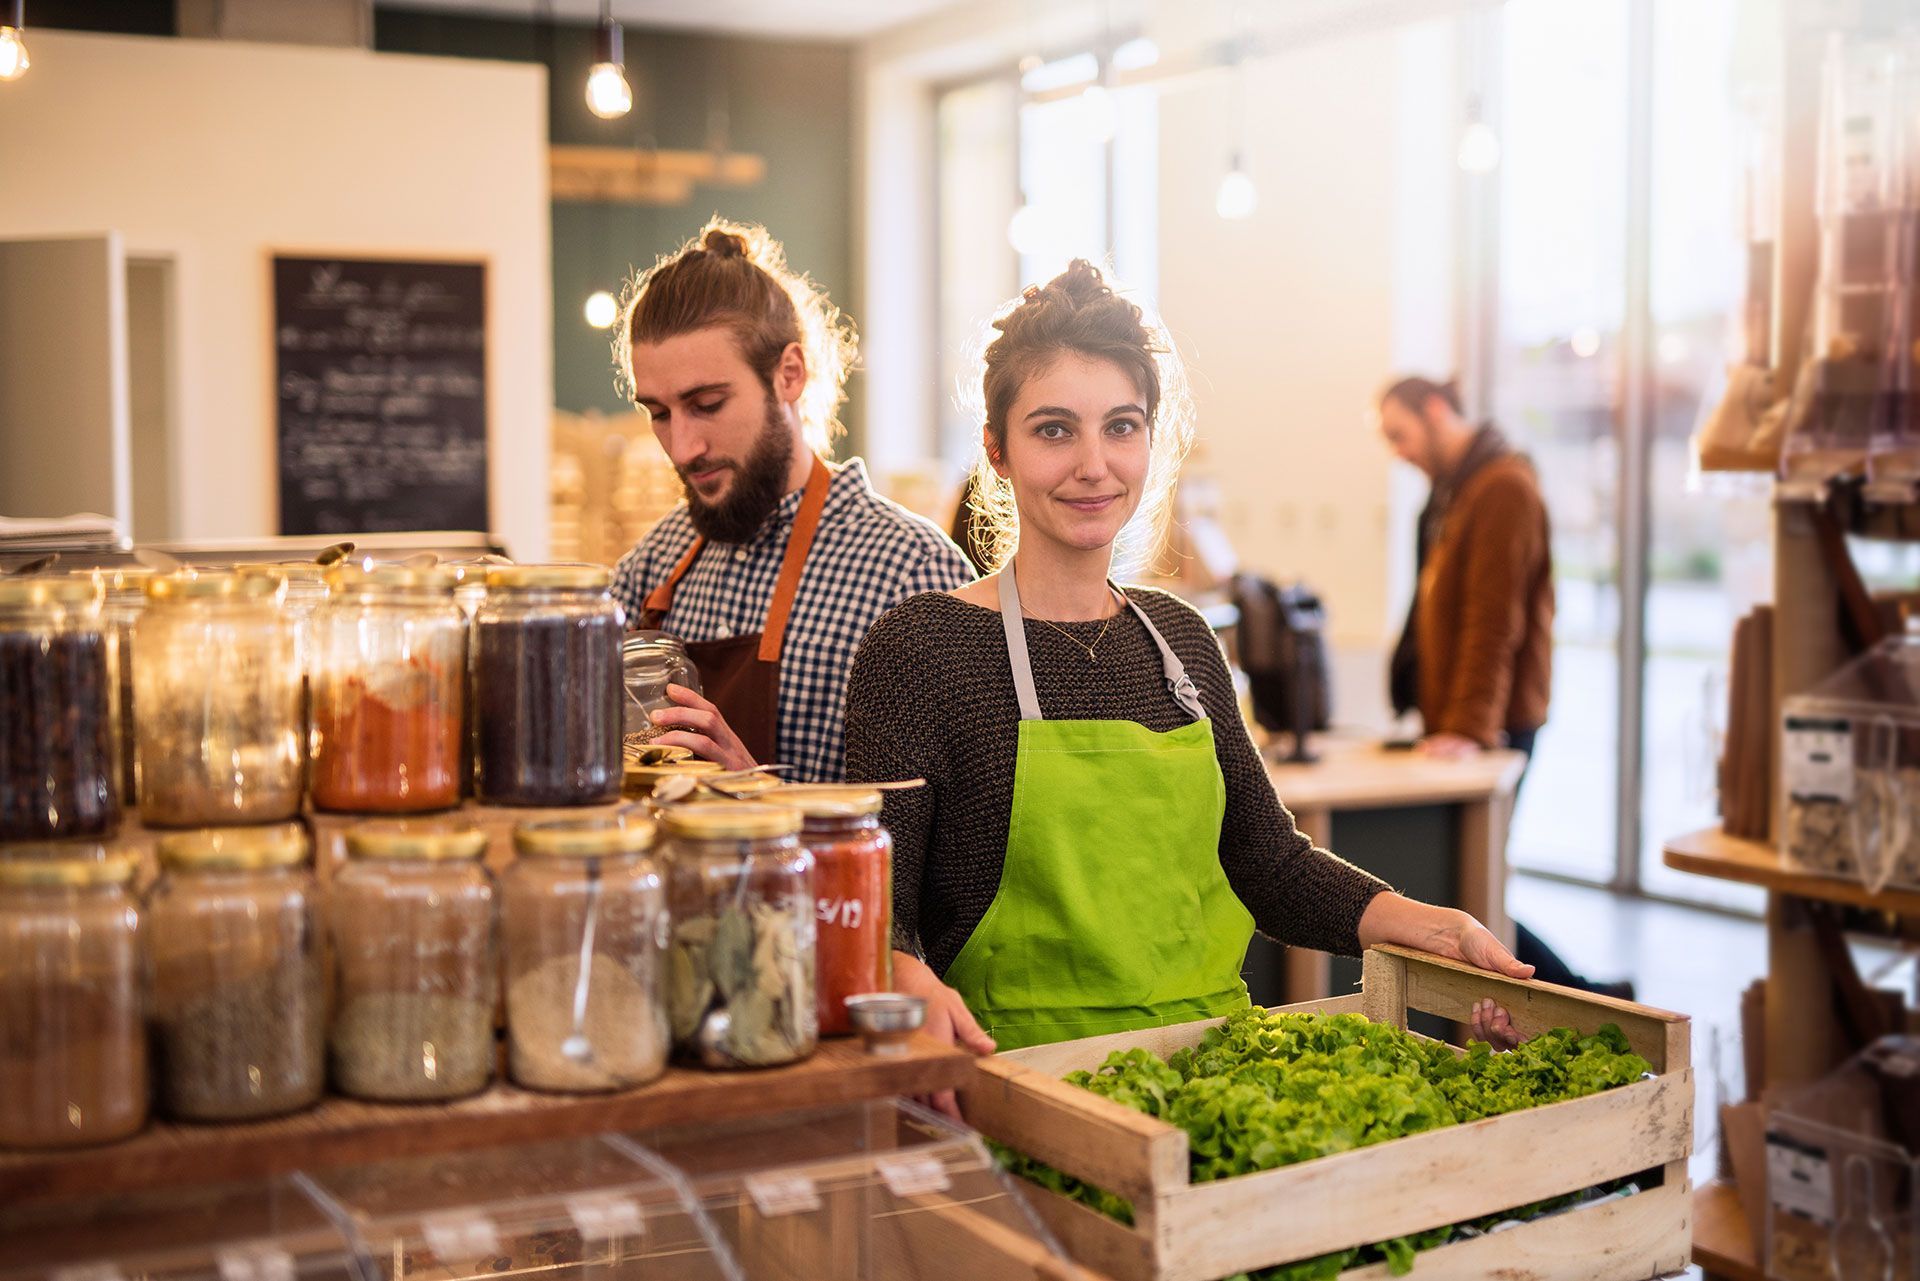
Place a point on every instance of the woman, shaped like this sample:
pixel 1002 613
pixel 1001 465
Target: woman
pixel 1098 839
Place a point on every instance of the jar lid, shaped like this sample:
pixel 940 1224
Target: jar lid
pixel 237 849
pixel 111 869
pixel 250 584
pixel 594 837
pixel 511 578
pixel 827 800
pixel 379 580
pixel 416 839
pixel 31 592
pixel 730 822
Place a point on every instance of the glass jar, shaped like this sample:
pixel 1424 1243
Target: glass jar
pixel 57 765
pixel 73 1041
pixel 584 917
pixel 236 976
pixel 416 968
pixel 217 680
pixel 389 692
pixel 740 976
pixel 546 687
pixel 649 662
pixel 124 599
pixel 852 892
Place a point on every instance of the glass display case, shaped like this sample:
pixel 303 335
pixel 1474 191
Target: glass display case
pixel 877 1191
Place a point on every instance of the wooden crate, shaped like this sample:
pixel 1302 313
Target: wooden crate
pixel 1202 1231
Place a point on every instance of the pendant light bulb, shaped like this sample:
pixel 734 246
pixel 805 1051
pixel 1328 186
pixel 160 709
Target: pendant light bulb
pixel 1237 197
pixel 1027 230
pixel 1102 112
pixel 609 96
pixel 602 309
pixel 13 41
pixel 1479 151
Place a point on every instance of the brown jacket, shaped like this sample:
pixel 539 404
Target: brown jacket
pixel 1485 621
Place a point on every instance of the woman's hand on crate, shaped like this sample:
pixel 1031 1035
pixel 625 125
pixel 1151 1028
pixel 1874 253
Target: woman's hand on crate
pixel 1453 934
pixel 949 1021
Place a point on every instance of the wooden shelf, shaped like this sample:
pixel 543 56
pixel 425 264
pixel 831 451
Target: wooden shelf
pixel 1722 1245
pixel 1361 774
pixel 342 1131
pixel 1730 858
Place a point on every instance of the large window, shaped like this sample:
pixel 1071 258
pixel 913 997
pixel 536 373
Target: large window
pixel 1564 383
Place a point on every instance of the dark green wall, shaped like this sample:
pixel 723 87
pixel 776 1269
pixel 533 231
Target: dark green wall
pixel 789 102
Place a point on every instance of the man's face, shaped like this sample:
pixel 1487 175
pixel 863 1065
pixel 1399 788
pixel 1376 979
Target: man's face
pixel 728 437
pixel 1409 435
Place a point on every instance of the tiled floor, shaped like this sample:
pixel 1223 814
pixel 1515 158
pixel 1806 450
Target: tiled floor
pixel 1682 959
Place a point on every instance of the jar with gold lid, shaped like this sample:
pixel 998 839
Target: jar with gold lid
pixel 73 1043
pixel 58 771
pixel 853 893
pixel 741 971
pixel 217 679
pixel 546 687
pixel 388 692
pixel 584 920
pixel 236 974
pixel 411 919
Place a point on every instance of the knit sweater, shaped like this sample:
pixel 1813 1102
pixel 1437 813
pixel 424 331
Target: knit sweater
pixel 931 696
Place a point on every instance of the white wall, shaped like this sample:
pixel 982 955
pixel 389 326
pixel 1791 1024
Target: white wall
pixel 215 154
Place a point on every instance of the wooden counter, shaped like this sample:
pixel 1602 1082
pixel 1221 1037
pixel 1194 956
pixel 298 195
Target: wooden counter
pixel 343 1131
pixel 1355 774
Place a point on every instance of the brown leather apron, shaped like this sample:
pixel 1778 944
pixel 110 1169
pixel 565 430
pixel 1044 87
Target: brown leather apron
pixel 741 675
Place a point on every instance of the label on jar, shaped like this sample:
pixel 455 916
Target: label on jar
pixel 777 1194
pixel 918 1174
pixel 603 1217
pixel 841 913
pixel 1818 759
pixel 254 1262
pixel 460 1237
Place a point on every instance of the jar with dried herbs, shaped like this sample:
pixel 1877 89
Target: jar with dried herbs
pixel 584 920
pixel 740 978
pixel 57 765
pixel 73 1043
pixel 546 687
pixel 853 893
pixel 236 974
pixel 411 917
pixel 389 692
pixel 216 675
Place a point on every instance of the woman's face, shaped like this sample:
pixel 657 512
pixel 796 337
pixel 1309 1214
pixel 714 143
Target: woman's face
pixel 1077 452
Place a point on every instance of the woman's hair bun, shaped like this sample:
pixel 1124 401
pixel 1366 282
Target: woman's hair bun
pixel 724 244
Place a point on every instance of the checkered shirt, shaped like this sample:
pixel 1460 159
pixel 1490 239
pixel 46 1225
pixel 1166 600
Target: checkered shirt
pixel 868 555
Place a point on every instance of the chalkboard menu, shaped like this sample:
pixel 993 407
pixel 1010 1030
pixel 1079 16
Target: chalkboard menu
pixel 381 384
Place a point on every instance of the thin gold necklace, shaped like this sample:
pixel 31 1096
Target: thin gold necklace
pixel 1092 655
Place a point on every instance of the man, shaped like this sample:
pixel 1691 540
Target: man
pixel 777 564
pixel 1476 654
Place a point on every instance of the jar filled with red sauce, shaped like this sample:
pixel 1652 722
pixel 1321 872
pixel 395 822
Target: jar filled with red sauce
pixel 853 893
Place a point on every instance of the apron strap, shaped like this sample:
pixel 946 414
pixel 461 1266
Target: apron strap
pixel 799 542
pixel 1179 684
pixel 773 632
pixel 1015 624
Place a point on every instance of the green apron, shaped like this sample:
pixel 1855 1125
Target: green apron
pixel 1113 911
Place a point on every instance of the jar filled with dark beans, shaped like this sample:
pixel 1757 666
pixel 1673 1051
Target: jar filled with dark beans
pixel 546 687
pixel 57 764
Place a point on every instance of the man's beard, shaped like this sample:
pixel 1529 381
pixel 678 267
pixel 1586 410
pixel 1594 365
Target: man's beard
pixel 759 483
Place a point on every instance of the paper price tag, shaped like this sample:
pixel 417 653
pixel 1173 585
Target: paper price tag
pixel 254 1263
pixel 1799 1180
pixel 1818 758
pixel 777 1194
pixel 907 1176
pixel 603 1218
pixel 460 1238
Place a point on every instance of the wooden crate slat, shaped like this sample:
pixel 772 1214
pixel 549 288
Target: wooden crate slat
pixel 1427 1180
pixel 1092 1138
